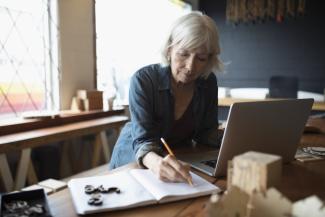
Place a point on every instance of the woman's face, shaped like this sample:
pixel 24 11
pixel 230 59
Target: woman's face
pixel 188 65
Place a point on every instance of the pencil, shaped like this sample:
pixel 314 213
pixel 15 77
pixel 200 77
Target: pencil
pixel 172 154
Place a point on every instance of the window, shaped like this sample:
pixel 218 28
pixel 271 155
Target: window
pixel 129 36
pixel 28 57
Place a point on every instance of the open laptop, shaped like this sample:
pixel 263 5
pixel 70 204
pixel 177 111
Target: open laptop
pixel 273 126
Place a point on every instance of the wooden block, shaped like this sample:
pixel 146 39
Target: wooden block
pixel 95 104
pixel 90 104
pixel 75 104
pixel 213 206
pixel 34 187
pixel 87 94
pixel 311 206
pixel 90 100
pixel 82 94
pixel 53 184
pixel 269 204
pixel 232 204
pixel 84 104
pixel 94 94
pixel 254 171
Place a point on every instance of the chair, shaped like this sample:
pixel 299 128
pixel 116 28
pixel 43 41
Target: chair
pixel 283 87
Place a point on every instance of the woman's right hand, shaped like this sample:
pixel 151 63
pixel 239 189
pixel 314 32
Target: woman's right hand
pixel 168 169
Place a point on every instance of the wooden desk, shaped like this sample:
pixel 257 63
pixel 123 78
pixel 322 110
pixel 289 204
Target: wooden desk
pixel 25 141
pixel 227 102
pixel 299 180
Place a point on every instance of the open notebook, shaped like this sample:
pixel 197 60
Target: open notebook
pixel 139 187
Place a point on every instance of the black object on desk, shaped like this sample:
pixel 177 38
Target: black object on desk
pixel 25 203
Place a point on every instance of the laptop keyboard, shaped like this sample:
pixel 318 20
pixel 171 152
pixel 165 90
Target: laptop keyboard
pixel 210 163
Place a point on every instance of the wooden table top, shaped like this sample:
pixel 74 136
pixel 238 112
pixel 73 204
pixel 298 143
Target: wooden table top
pixel 228 101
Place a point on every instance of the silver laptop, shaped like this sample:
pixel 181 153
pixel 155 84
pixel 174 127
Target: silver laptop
pixel 273 127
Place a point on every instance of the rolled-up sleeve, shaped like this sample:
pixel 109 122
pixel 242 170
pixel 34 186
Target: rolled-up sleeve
pixel 145 129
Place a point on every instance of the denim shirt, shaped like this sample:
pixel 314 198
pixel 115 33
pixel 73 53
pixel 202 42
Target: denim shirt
pixel 151 105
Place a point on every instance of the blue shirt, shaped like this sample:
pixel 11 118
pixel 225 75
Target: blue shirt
pixel 151 105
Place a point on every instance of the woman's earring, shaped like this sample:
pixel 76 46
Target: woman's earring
pixel 168 58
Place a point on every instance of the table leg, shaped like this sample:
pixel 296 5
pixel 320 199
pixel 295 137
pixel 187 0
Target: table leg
pixel 31 174
pixel 97 149
pixel 65 167
pixel 105 145
pixel 21 174
pixel 5 173
pixel 101 143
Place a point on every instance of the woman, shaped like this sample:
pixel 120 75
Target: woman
pixel 176 100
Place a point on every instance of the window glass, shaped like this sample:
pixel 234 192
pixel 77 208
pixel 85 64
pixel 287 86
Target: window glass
pixel 28 57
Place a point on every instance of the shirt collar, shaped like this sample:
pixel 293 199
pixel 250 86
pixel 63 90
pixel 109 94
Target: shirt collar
pixel 164 78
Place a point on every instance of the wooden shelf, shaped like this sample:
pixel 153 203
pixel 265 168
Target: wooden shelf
pixel 64 117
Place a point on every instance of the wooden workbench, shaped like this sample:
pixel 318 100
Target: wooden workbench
pixel 63 130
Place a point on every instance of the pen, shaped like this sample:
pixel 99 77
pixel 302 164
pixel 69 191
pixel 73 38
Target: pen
pixel 172 154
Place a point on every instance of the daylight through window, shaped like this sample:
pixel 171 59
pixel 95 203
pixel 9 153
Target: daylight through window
pixel 28 57
pixel 129 36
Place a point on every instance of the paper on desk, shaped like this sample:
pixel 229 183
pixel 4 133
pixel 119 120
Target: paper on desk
pixel 132 193
pixel 170 191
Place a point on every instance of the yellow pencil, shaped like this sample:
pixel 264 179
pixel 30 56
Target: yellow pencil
pixel 172 154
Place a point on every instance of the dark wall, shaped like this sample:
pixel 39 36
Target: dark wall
pixel 294 47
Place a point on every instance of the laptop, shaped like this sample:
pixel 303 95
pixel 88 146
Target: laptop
pixel 271 126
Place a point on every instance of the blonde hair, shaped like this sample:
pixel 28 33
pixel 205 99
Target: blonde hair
pixel 191 31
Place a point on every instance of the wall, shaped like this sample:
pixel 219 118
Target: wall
pixel 193 3
pixel 294 47
pixel 77 56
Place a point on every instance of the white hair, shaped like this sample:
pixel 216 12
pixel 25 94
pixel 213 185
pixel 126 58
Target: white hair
pixel 192 31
